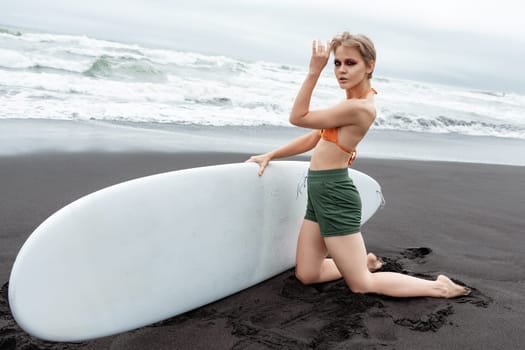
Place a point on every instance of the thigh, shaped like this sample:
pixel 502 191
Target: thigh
pixel 349 254
pixel 311 249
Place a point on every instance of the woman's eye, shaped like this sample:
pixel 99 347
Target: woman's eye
pixel 348 62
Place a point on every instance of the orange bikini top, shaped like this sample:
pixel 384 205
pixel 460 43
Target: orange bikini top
pixel 332 135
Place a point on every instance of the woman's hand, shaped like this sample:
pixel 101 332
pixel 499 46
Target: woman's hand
pixel 262 160
pixel 320 56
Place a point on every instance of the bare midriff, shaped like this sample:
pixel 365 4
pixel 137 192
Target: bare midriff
pixel 327 155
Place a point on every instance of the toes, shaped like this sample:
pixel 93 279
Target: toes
pixel 375 263
pixel 379 264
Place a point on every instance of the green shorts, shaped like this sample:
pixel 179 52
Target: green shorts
pixel 333 202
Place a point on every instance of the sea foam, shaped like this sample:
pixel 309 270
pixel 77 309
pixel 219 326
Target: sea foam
pixel 69 77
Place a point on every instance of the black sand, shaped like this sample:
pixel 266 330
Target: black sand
pixel 465 220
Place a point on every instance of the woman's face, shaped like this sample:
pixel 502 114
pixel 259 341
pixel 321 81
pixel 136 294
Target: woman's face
pixel 349 67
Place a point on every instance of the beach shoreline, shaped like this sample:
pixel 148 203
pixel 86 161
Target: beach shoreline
pixel 34 136
pixel 461 219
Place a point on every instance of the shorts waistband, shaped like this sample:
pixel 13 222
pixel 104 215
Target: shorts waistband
pixel 329 174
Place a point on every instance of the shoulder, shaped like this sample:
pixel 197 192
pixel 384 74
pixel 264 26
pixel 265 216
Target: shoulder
pixel 369 109
pixel 364 108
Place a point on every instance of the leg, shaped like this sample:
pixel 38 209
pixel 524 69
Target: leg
pixel 312 266
pixel 350 257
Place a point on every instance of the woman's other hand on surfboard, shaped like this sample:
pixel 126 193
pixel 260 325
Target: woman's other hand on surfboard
pixel 262 160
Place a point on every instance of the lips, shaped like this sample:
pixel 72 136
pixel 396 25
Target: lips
pixel 343 80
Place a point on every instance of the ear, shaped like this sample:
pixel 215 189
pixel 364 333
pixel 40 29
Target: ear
pixel 370 67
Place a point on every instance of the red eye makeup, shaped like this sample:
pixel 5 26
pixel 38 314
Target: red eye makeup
pixel 347 62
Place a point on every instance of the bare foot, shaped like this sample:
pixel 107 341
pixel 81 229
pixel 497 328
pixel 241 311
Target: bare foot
pixel 452 290
pixel 373 262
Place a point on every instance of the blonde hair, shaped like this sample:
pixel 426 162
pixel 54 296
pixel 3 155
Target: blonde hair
pixel 361 42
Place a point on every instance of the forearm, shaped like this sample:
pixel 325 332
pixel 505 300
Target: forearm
pixel 297 146
pixel 301 105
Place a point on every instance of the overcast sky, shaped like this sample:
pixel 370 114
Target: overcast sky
pixel 476 44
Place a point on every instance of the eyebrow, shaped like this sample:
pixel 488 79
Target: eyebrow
pixel 346 58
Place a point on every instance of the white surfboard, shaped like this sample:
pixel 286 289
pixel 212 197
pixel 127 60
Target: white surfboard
pixel 148 249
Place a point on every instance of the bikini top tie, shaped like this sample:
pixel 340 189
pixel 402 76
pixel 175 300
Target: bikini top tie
pixel 332 135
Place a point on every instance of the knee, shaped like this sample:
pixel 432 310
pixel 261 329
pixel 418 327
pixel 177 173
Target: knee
pixel 360 285
pixel 359 289
pixel 305 277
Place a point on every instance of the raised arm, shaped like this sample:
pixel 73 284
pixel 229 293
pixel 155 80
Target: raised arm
pixel 299 145
pixel 345 113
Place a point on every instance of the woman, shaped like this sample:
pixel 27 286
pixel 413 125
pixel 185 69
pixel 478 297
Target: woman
pixel 332 222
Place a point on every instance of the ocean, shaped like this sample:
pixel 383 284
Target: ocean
pixel 55 79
